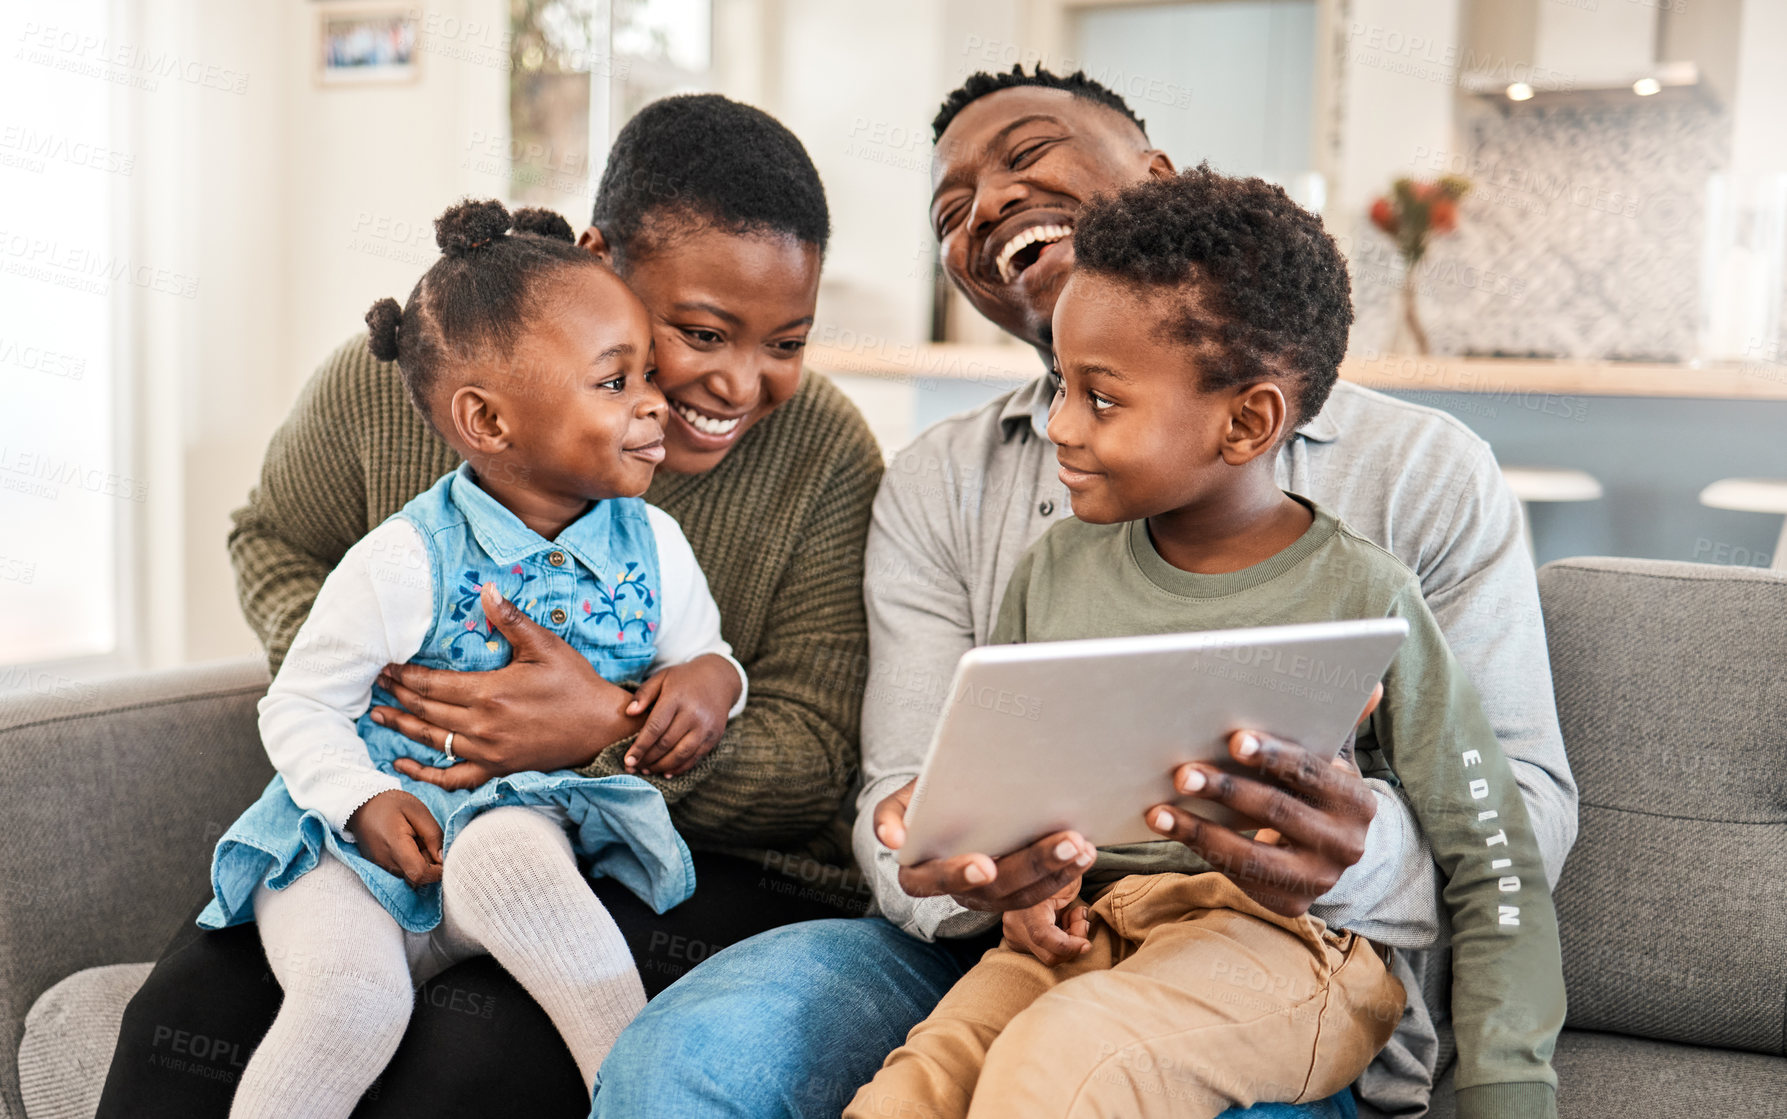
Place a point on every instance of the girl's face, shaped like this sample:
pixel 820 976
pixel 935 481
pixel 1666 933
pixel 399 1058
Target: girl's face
pixel 730 314
pixel 574 418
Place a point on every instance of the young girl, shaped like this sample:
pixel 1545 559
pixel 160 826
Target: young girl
pixel 532 359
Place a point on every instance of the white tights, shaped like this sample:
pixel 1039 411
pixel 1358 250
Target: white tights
pixel 510 887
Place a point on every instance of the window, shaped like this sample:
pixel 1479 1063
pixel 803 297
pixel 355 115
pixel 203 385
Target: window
pixel 555 52
pixel 563 59
pixel 66 492
pixel 663 47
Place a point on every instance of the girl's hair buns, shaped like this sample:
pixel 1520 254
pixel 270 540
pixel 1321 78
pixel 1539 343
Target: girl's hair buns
pixel 473 302
pixel 544 223
pixel 471 225
pixel 383 319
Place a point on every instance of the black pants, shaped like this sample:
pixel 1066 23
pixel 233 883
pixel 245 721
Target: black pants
pixel 477 1045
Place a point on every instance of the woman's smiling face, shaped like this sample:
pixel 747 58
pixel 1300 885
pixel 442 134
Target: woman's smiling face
pixel 730 314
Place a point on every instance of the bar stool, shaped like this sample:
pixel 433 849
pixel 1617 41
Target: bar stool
pixel 1753 495
pixel 1548 483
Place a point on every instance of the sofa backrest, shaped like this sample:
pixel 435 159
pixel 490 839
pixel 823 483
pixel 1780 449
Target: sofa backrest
pixel 1672 691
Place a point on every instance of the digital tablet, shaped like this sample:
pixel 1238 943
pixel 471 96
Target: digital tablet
pixel 1084 735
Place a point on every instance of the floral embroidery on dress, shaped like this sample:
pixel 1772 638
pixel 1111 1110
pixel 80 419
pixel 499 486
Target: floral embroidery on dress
pixel 611 607
pixel 468 609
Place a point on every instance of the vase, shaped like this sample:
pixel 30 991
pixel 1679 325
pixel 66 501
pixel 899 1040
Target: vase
pixel 1411 337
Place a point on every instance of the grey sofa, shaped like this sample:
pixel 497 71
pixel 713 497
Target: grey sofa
pixel 1672 687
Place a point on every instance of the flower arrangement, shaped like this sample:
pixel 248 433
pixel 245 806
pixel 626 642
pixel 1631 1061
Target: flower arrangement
pixel 1411 214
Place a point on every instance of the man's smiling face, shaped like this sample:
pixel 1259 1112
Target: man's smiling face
pixel 1007 180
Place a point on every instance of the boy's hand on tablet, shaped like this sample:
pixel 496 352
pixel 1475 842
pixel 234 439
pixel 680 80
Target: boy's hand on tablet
pixel 1018 880
pixel 688 704
pixel 1055 929
pixel 395 830
pixel 1312 817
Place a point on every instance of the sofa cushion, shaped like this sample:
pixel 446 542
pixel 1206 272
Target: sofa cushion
pixel 1604 1076
pixel 1672 692
pixel 69 1037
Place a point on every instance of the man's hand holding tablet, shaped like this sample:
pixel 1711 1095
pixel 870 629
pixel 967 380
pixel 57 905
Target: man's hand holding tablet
pixel 1319 812
pixel 1312 816
pixel 1015 881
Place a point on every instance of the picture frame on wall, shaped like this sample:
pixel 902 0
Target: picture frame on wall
pixel 359 46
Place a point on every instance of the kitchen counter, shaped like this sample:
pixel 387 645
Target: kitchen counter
pixel 1759 380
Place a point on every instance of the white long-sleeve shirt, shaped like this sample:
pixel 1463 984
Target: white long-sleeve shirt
pixel 377 608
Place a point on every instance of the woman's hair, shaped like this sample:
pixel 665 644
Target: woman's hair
pixel 473 302
pixel 701 160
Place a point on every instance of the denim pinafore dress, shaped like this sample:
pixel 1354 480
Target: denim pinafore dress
pixel 596 586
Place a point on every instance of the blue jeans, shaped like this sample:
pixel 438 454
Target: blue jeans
pixel 788 1024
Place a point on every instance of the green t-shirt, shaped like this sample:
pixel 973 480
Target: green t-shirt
pixel 1429 735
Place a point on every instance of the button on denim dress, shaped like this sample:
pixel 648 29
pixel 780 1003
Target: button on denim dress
pixel 596 586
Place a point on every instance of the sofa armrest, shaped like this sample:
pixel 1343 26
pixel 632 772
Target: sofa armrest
pixel 111 799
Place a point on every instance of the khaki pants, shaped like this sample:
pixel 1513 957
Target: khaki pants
pixel 1193 999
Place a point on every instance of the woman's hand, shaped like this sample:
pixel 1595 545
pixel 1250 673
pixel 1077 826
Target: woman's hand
pixel 1054 930
pixel 685 707
pixel 546 709
pixel 396 831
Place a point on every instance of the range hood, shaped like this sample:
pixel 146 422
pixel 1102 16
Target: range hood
pixel 1519 50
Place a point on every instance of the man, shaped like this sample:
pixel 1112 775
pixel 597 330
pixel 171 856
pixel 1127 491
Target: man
pixel 791 1022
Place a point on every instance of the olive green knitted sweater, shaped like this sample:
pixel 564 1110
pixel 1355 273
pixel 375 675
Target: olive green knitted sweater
pixel 778 527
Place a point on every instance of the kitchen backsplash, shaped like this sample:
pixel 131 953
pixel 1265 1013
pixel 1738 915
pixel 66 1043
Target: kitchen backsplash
pixel 1582 237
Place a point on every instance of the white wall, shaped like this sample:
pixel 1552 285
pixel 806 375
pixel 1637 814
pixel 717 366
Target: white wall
pixel 1396 101
pixel 859 85
pixel 296 206
pixel 1760 104
pixel 209 194
pixel 1393 107
pixel 369 167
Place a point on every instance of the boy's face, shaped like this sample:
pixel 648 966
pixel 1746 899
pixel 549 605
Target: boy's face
pixel 583 422
pixel 1135 434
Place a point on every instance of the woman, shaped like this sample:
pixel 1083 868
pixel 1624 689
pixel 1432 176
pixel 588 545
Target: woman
pixel 713 214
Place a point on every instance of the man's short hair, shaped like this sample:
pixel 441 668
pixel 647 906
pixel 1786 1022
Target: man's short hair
pixel 980 84
pixel 1263 289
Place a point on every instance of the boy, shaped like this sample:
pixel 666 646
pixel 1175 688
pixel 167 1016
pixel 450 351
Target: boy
pixel 1205 320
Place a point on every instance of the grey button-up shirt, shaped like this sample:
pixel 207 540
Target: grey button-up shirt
pixel 960 505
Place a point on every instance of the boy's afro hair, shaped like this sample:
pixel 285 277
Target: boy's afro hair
pixel 980 84
pixel 1264 293
pixel 700 158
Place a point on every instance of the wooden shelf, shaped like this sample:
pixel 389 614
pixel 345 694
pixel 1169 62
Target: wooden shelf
pixel 1011 364
pixel 929 362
